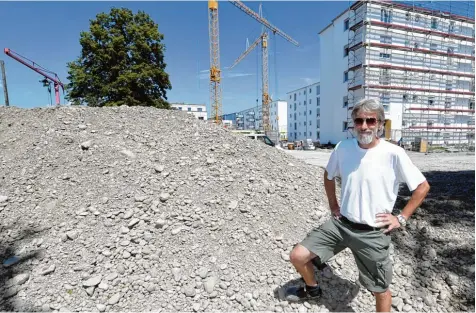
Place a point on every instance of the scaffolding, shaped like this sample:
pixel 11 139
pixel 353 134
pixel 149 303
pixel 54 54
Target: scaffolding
pixel 419 61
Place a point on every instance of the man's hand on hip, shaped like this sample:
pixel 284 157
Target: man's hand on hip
pixel 335 211
pixel 384 219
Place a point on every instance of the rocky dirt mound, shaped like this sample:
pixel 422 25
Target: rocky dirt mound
pixel 140 209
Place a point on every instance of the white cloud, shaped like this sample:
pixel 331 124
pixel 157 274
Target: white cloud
pixel 204 75
pixel 308 80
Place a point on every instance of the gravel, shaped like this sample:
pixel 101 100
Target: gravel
pixel 140 209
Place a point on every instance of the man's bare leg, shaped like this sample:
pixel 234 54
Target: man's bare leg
pixel 383 301
pixel 301 258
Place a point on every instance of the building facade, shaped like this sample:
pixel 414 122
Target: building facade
pixel 304 113
pixel 197 110
pixel 251 119
pixel 419 62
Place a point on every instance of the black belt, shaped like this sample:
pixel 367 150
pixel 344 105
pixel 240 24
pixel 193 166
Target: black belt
pixel 357 225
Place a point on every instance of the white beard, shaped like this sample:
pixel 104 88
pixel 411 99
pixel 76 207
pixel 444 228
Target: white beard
pixel 365 138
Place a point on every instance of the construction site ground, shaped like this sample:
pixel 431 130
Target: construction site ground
pixel 136 209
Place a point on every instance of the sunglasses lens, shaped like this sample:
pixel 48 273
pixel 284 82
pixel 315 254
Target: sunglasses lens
pixel 371 121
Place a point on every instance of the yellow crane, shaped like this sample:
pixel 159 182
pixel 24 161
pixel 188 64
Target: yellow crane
pixel 215 72
pixel 263 38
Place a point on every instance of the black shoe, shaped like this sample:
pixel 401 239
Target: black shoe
pixel 298 294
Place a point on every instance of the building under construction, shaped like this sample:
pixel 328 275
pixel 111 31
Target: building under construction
pixel 418 60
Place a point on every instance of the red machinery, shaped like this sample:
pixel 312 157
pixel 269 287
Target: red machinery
pixel 40 70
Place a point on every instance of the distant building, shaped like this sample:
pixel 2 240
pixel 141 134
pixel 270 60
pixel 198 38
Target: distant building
pixel 419 62
pixel 251 119
pixel 197 110
pixel 303 113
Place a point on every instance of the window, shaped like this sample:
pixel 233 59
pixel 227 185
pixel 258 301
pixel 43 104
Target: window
pixel 447 102
pixel 295 126
pixel 318 102
pixel 345 102
pixel 294 115
pixel 304 92
pixel 346 50
pixel 451 27
pixel 434 23
pixel 294 106
pixel 416 45
pixel 180 108
pixel 199 109
pixel 310 90
pixel 449 85
pixel 310 100
pixel 310 123
pixel 318 90
pixel 405 98
pixel 310 133
pixel 294 97
pixel 200 117
pixel 451 50
pixel 385 97
pixel 346 24
pixel 385 39
pixel 408 16
pixel 344 126
pixel 189 109
pixel 386 16
pixel 431 100
pixel 417 18
pixel 433 47
pixel 429 123
pixel 346 76
pixel 304 102
pixel 385 55
pixel 290 97
pixel 304 123
pixel 310 112
pixel 471 104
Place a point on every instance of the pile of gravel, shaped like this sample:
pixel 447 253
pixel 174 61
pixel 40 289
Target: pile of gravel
pixel 140 209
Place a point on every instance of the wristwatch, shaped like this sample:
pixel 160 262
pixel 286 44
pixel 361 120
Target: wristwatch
pixel 402 220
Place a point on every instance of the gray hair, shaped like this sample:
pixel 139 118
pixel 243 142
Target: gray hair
pixel 373 106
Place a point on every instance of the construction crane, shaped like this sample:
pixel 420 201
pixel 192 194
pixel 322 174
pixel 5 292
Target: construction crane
pixel 215 73
pixel 40 70
pixel 263 38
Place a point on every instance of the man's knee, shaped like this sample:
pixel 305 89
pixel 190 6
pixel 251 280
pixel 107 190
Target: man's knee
pixel 382 295
pixel 300 255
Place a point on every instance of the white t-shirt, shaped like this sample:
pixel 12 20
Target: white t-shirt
pixel 371 178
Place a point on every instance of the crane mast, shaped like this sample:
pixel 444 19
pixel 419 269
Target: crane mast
pixel 215 73
pixel 40 70
pixel 265 98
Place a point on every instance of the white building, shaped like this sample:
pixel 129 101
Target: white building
pixel 304 111
pixel 418 62
pixel 198 110
pixel 251 119
pixel 278 118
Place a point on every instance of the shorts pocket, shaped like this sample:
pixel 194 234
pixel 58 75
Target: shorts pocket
pixel 384 273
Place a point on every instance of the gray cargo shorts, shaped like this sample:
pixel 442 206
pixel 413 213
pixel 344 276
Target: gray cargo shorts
pixel 369 247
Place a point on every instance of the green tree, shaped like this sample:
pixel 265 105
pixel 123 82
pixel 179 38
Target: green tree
pixel 121 62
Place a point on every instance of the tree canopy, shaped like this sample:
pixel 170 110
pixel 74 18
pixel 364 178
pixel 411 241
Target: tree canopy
pixel 121 62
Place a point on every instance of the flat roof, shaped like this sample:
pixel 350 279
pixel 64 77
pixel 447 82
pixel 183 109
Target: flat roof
pixel 302 88
pixel 333 20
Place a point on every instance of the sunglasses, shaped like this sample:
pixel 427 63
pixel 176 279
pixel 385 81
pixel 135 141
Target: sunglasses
pixel 369 121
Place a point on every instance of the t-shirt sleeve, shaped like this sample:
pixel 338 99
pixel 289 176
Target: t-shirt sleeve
pixel 407 172
pixel 332 167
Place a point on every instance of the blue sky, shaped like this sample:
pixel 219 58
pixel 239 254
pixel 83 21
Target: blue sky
pixel 48 33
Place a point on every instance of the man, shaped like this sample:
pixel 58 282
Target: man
pixel 370 170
